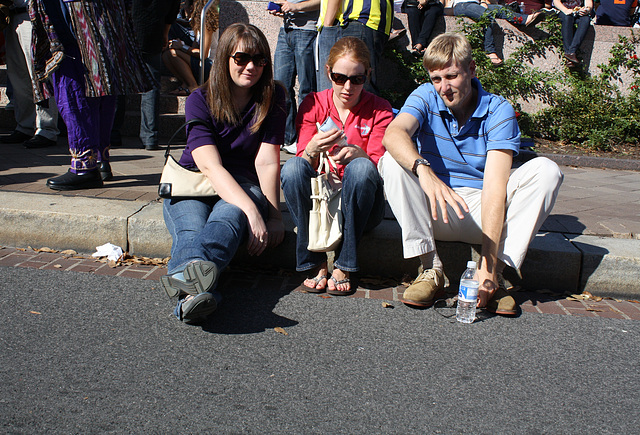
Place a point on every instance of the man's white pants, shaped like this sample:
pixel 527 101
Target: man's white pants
pixel 532 190
pixel 30 118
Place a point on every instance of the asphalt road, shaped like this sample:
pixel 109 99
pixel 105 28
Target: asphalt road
pixel 90 354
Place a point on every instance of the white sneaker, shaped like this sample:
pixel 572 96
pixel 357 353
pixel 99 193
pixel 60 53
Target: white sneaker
pixel 291 148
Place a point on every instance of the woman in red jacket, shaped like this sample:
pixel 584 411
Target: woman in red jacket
pixel 361 119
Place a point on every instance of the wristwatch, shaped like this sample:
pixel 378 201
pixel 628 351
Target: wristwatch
pixel 417 163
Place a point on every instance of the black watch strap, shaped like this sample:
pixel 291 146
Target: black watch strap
pixel 417 163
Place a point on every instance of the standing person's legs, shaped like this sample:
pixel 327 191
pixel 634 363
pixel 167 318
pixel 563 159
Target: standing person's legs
pixel 303 45
pixel 325 40
pixel 39 119
pixel 81 114
pixel 284 70
pixel 107 115
pixel 17 40
pixel 374 41
pixel 149 105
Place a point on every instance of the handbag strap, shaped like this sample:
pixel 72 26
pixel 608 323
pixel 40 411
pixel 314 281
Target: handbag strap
pixel 187 125
pixel 326 164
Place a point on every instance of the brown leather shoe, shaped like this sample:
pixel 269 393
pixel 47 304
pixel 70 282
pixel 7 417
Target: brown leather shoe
pixel 571 57
pixel 502 303
pixel 425 289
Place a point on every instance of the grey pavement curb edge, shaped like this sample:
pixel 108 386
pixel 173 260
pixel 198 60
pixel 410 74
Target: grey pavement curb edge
pixel 558 262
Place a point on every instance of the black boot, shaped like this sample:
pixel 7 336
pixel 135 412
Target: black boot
pixel 71 181
pixel 105 171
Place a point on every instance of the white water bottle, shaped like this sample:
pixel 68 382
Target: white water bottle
pixel 467 295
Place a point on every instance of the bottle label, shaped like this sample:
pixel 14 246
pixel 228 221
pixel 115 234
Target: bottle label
pixel 468 293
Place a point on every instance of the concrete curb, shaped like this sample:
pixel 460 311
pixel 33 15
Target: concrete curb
pixel 555 261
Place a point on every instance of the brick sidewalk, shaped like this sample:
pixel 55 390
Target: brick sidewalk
pixel 531 302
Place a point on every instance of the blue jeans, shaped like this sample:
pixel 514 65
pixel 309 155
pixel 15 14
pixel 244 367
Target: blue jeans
pixel 149 102
pixel 363 208
pixel 294 55
pixel 208 229
pixel 422 21
pixel 571 39
pixel 475 11
pixel 375 42
pixel 326 38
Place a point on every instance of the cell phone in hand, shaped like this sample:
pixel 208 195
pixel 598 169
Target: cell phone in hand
pixel 272 6
pixel 329 125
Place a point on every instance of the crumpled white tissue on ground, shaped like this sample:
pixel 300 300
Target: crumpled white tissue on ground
pixel 111 251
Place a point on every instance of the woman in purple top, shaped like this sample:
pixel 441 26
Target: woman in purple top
pixel 240 155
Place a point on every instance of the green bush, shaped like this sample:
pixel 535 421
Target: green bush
pixel 591 111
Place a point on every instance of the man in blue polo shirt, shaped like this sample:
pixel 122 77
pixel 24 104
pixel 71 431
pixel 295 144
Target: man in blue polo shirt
pixel 457 185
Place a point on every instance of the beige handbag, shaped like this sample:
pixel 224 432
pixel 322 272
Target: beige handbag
pixel 325 216
pixel 179 182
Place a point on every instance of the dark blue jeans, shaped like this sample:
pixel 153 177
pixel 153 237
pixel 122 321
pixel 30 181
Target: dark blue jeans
pixel 572 37
pixel 363 208
pixel 208 229
pixel 375 43
pixel 149 102
pixel 475 11
pixel 422 21
pixel 326 38
pixel 294 56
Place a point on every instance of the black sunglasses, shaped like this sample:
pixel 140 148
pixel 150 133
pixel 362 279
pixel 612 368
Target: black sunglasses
pixel 341 79
pixel 242 59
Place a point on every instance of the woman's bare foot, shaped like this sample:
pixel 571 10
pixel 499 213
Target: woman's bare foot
pixel 339 284
pixel 318 284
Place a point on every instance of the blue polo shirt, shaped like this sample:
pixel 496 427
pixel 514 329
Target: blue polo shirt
pixel 458 153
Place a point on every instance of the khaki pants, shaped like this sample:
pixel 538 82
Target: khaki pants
pixel 532 190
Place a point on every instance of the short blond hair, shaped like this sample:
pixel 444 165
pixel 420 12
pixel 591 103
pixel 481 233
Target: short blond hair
pixel 447 47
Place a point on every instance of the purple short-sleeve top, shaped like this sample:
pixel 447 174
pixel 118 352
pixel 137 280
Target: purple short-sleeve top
pixel 236 144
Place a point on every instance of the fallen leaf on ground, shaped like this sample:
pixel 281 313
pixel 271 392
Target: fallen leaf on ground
pixel 44 249
pixel 594 309
pixel 112 264
pixel 387 305
pixel 325 296
pixel 69 252
pixel 58 266
pixel 634 301
pixel 280 330
pixel 34 312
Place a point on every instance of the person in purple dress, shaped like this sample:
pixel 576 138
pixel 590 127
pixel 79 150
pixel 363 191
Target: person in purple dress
pixel 239 152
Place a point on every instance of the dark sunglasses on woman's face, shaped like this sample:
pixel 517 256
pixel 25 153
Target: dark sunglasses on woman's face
pixel 341 79
pixel 242 59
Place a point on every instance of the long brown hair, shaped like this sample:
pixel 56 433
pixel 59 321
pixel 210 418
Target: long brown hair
pixel 220 84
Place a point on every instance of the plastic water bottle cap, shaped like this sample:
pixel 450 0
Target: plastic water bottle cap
pixel 471 264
